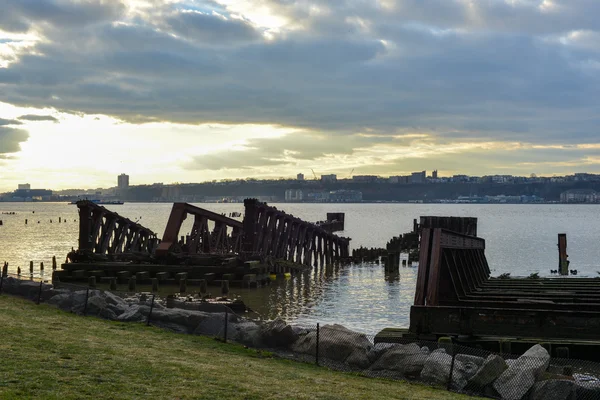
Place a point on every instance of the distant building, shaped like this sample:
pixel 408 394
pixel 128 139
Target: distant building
pixel 294 195
pixel 399 179
pixel 345 196
pixel 418 177
pixel 24 186
pixel 364 178
pixel 300 177
pixel 123 181
pixel 329 178
pixel 434 174
pixel 579 196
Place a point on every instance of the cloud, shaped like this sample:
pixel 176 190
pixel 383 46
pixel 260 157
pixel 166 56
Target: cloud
pixel 498 70
pixel 4 122
pixel 11 139
pixel 33 117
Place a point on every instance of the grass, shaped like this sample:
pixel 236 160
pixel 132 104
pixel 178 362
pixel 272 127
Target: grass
pixel 47 353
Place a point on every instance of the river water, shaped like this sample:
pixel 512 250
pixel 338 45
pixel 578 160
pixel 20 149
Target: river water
pixel 520 239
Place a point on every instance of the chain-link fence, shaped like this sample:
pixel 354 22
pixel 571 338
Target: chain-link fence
pixel 532 375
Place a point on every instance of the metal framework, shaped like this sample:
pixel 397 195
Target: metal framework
pixel 104 232
pixel 224 238
pixel 271 232
pixel 456 296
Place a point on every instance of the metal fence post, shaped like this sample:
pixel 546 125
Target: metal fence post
pixel 1 282
pixel 87 295
pixel 451 364
pixel 40 293
pixel 225 334
pixel 151 307
pixel 317 346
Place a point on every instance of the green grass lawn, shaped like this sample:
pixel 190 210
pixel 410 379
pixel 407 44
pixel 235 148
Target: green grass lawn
pixel 47 353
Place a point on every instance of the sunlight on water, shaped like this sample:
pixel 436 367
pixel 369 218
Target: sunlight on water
pixel 520 239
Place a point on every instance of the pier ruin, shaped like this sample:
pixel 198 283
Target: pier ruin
pixel 218 248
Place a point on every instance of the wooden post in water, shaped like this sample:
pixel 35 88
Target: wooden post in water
pixel 31 267
pixel 53 263
pixel 563 262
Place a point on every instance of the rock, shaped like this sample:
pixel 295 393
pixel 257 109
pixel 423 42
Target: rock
pixel 490 370
pixel 107 313
pixel 62 301
pixel 552 390
pixel 337 343
pixel 468 358
pixel 380 348
pixel 135 313
pixel 95 305
pixel 522 373
pixel 425 350
pixel 408 360
pixel 441 351
pixel 437 370
pixel 278 334
pixel 246 332
pixel 587 390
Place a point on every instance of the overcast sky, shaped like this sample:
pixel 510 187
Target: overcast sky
pixel 193 90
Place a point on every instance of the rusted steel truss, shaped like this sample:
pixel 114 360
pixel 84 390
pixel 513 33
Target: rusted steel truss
pixel 456 296
pixel 225 236
pixel 104 232
pixel 271 232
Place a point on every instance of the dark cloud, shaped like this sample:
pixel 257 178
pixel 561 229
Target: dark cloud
pixel 11 139
pixel 4 122
pixel 211 29
pixel 33 117
pixel 20 15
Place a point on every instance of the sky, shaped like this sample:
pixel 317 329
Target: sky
pixel 193 90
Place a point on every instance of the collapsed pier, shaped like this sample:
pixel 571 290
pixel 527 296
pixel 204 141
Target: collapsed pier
pixel 267 241
pixel 456 296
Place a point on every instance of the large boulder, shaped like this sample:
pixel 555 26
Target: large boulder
pixel 437 368
pixel 135 313
pixel 553 389
pixel 408 360
pixel 490 370
pixel 337 343
pixel 522 373
pixel 278 334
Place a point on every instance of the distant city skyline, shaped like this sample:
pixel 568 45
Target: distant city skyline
pixel 193 90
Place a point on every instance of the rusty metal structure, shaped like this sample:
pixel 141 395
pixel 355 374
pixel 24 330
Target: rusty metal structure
pixel 455 296
pixel 224 237
pixel 269 232
pixel 264 233
pixel 104 234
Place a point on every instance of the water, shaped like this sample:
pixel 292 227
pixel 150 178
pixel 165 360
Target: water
pixel 520 239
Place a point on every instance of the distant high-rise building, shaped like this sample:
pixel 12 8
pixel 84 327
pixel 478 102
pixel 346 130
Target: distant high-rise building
pixel 24 186
pixel 123 181
pixel 434 174
pixel 329 178
pixel 300 177
pixel 417 177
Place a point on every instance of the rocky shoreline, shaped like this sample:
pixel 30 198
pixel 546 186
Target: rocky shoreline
pixel 530 376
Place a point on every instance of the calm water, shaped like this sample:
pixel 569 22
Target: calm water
pixel 520 239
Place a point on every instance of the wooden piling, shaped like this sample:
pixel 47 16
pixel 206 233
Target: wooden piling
pixel 183 285
pixel 53 263
pixel 132 284
pixel 203 287
pixel 113 283
pixel 155 284
pixel 5 270
pixel 41 266
pixel 31 267
pixel 563 262
pixel 224 287
pixel 92 282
